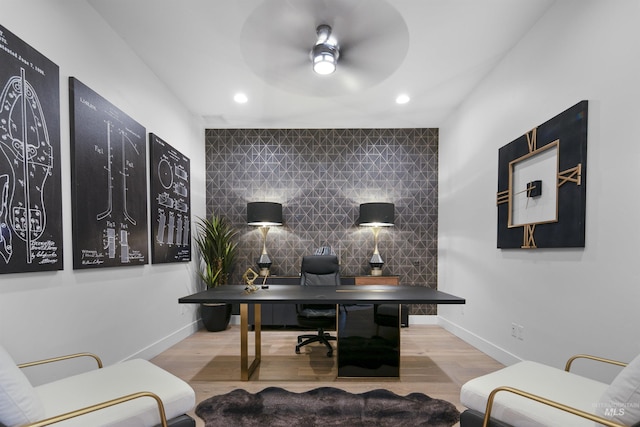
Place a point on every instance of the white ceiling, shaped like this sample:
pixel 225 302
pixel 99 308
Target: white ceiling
pixel 198 49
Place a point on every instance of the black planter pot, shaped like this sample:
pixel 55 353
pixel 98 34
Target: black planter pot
pixel 215 316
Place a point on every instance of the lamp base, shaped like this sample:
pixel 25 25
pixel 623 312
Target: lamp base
pixel 264 263
pixel 376 264
pixel 376 271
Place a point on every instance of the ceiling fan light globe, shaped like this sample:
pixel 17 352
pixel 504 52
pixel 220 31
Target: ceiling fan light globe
pixel 324 64
pixel 324 57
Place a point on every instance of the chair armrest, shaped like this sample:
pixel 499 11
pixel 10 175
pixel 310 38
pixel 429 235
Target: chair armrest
pixel 59 358
pixel 596 358
pixel 549 402
pixel 103 405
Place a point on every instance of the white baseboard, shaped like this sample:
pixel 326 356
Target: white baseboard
pixel 161 345
pixel 490 349
pixel 422 319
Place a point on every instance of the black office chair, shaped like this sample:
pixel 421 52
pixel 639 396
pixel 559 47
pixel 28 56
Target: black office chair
pixel 318 270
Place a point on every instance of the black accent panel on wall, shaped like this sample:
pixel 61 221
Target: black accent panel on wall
pixel 321 176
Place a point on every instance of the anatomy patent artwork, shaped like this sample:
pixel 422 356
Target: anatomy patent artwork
pixel 30 199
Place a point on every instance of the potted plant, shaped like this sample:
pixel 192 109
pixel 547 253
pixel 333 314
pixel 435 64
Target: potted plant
pixel 215 239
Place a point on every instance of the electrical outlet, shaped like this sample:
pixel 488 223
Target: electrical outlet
pixel 520 332
pixel 514 330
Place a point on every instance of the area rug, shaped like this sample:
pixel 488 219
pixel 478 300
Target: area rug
pixel 325 406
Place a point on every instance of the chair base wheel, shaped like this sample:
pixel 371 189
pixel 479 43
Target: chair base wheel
pixel 321 337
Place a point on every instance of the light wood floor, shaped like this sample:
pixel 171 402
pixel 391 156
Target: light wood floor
pixel 433 362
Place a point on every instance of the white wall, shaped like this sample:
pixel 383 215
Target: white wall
pixel 117 313
pixel 568 300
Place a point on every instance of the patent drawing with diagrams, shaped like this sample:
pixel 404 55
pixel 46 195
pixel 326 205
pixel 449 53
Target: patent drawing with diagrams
pixel 170 189
pixel 109 183
pixel 30 196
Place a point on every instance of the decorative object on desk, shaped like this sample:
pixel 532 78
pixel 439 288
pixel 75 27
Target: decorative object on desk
pixel 264 215
pixel 542 184
pixel 215 239
pixel 249 277
pixel 376 215
pixel 322 406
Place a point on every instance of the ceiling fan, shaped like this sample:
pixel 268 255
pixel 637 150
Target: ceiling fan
pixel 368 39
pixel 325 53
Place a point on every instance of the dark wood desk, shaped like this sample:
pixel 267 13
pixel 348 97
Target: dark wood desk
pixel 286 294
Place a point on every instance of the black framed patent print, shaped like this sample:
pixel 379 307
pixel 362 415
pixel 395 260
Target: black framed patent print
pixel 170 196
pixel 108 183
pixel 30 167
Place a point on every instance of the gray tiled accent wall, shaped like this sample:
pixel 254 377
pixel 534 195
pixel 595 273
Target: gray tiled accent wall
pixel 321 176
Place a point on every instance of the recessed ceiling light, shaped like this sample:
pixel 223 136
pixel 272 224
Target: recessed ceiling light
pixel 403 99
pixel 240 98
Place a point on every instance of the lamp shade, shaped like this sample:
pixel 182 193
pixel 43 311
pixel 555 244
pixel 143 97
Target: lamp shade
pixel 264 213
pixel 376 215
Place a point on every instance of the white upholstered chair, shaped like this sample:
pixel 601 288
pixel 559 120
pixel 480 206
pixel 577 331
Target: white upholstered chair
pixel 131 393
pixel 532 394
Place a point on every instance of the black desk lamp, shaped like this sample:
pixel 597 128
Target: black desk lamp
pixel 264 215
pixel 376 215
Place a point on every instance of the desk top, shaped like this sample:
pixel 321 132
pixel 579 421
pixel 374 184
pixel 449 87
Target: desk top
pixel 288 294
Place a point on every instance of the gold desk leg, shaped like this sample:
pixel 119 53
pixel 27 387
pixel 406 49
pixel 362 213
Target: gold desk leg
pixel 245 369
